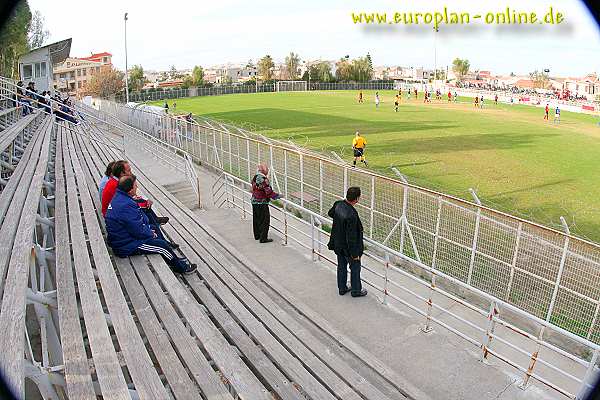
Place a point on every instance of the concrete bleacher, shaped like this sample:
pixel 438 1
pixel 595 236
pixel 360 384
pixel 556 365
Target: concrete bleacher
pixel 216 326
pixel 80 323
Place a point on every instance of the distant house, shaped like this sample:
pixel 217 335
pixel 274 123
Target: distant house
pixel 72 75
pixel 38 65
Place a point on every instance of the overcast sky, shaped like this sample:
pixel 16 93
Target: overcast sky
pixel 187 33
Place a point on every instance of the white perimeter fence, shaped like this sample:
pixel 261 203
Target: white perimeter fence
pixel 549 279
pixel 162 94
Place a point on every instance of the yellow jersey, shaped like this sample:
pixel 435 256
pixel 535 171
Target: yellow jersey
pixel 359 142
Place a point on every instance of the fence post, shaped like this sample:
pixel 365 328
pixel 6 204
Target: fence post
pixel 403 217
pixel 285 173
pixel 345 182
pixel 320 187
pixel 514 260
pixel 248 157
pixel 587 380
pixel 285 225
pixel 385 281
pixel 372 206
pixel 312 237
pixel 532 360
pixel 560 270
pixel 475 236
pixel 301 180
pixel 486 343
pixel 319 235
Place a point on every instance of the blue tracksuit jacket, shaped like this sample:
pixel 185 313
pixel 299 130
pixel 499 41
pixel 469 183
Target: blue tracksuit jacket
pixel 127 226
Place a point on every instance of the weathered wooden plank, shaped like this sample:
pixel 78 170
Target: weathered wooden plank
pixel 91 175
pixel 12 312
pixel 181 384
pixel 246 385
pixel 77 371
pixel 280 383
pixel 211 385
pixel 108 370
pixel 405 387
pixel 139 364
pixel 301 342
pixel 358 382
pixel 297 359
pixel 8 135
pixel 9 190
pixel 6 197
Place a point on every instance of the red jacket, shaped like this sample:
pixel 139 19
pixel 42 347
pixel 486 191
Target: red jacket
pixel 108 193
pixel 262 192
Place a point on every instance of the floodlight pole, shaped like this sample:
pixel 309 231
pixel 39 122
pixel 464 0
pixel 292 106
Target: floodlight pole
pixel 126 69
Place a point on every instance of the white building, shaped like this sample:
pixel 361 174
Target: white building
pixel 38 65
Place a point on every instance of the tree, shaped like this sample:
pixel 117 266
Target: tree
pixel 540 79
pixel 265 68
pixel 343 69
pixel 37 34
pixel 197 76
pixel 321 72
pixel 173 72
pixel 106 83
pixel 361 69
pixel 136 78
pixel 188 82
pixel 14 39
pixel 460 68
pixel 292 64
pixel 370 61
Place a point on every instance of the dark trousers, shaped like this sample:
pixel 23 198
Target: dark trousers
pixel 261 218
pixel 162 247
pixel 342 273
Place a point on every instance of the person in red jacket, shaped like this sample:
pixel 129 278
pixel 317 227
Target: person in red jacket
pixel 262 194
pixel 122 168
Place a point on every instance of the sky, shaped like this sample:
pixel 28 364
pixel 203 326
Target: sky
pixel 187 33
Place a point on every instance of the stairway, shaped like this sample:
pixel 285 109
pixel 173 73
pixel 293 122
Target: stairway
pixel 184 192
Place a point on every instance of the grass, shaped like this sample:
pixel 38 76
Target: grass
pixel 516 161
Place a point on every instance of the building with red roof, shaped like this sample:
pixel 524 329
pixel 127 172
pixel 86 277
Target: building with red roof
pixel 72 75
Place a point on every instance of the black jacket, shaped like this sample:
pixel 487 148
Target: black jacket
pixel 347 230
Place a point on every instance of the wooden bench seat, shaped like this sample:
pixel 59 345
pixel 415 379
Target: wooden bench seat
pixel 8 135
pixel 8 116
pixel 285 357
pixel 19 204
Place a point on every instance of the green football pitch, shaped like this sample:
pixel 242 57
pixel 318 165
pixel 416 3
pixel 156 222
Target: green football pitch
pixel 516 161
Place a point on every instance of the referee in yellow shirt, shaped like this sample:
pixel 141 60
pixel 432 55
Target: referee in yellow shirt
pixel 358 145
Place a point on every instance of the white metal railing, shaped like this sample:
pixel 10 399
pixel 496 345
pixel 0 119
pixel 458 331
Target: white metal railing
pixel 192 176
pixel 398 285
pixel 156 95
pixel 550 274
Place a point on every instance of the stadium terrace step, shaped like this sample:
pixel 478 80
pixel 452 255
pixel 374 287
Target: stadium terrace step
pixel 216 317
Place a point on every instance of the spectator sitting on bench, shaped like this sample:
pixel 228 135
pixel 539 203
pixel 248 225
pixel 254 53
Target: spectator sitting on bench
pixel 107 175
pixel 119 169
pixel 131 233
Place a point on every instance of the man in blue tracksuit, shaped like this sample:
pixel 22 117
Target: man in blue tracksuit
pixel 131 233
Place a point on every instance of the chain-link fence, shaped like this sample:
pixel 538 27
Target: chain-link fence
pixel 552 275
pixel 163 94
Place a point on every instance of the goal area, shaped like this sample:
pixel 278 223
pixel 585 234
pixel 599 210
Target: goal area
pixel 291 86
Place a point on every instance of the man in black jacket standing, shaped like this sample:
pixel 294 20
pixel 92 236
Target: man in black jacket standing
pixel 347 242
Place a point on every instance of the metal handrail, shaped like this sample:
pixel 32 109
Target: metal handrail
pixel 232 183
pixel 466 203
